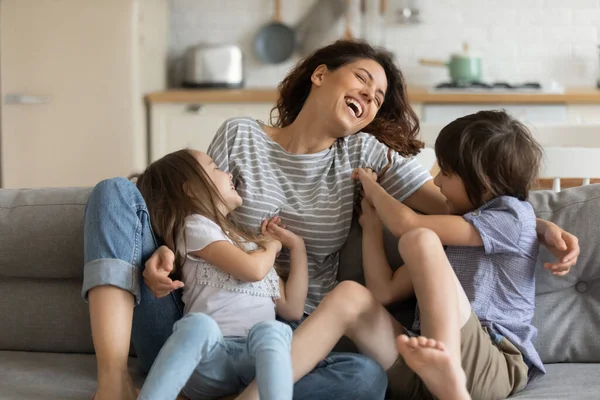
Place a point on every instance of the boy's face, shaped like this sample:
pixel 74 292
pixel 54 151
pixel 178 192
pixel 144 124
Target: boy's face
pixel 453 189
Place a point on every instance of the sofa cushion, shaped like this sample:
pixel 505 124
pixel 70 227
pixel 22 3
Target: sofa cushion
pixel 567 311
pixel 33 376
pixel 564 382
pixel 42 233
pixel 44 315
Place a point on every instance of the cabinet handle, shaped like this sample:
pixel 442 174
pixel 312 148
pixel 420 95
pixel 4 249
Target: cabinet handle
pixel 195 108
pixel 14 98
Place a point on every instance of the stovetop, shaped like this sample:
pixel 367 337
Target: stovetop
pixel 496 87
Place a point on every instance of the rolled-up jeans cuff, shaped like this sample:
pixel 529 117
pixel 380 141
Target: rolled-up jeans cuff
pixel 113 272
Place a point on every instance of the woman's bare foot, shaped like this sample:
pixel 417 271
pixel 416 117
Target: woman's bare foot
pixel 430 360
pixel 119 387
pixel 250 393
pixel 180 397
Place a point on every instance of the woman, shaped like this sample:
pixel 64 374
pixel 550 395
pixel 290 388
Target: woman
pixel 299 169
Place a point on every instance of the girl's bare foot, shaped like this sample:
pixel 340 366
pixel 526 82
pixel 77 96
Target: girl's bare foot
pixel 430 360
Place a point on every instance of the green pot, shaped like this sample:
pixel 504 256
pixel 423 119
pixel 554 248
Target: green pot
pixel 463 67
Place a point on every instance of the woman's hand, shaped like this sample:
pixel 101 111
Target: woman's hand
pixel 156 274
pixel 563 245
pixel 368 217
pixel 274 229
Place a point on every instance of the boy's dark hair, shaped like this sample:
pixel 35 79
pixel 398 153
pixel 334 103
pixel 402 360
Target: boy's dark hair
pixel 493 154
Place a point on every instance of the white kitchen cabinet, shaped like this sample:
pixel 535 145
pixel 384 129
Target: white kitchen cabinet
pixel 418 109
pixel 73 75
pixel 584 113
pixel 174 126
pixel 531 113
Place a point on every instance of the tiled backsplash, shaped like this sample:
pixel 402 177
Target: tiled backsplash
pixel 519 40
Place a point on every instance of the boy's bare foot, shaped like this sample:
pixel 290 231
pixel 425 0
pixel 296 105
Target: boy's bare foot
pixel 432 362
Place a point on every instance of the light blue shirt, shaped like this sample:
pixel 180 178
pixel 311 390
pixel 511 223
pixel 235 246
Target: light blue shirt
pixel 499 278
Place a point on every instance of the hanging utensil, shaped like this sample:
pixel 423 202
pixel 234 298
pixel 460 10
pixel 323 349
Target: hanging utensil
pixel 371 26
pixel 315 29
pixel 275 42
pixel 382 22
pixel 363 19
pixel 348 30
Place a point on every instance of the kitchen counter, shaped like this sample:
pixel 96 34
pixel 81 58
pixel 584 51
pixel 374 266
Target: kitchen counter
pixel 417 94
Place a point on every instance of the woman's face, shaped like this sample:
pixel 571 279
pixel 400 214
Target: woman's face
pixel 353 93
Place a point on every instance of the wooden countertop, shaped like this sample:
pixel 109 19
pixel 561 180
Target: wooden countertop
pixel 589 95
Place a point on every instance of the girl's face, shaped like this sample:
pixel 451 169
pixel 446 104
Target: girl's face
pixel 353 93
pixel 453 188
pixel 222 180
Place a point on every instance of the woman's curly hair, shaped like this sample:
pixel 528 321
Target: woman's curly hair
pixel 396 124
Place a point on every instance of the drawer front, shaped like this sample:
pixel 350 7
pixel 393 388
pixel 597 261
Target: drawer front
pixel 177 126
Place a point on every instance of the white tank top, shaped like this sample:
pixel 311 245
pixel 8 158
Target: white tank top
pixel 235 305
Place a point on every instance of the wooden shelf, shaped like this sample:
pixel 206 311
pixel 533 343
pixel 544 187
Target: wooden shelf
pixel 565 183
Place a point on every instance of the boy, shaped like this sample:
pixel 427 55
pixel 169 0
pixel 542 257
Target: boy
pixel 477 296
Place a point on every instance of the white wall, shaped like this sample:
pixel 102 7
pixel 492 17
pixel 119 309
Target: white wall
pixel 520 40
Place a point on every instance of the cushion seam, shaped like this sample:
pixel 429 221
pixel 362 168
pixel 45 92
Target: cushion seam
pixel 41 205
pixel 567 205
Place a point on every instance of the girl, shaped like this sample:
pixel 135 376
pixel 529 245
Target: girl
pixel 228 334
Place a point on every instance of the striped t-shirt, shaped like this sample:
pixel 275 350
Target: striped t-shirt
pixel 313 194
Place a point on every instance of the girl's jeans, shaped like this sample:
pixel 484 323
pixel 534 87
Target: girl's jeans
pixel 118 240
pixel 221 366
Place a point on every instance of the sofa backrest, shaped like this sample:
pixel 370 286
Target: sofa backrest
pixel 41 269
pixel 568 308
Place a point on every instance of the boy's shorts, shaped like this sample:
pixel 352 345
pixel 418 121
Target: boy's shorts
pixel 494 371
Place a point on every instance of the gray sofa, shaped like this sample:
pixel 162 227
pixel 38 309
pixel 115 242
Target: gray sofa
pixel 46 348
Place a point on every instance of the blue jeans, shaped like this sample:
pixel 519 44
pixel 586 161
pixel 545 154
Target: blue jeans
pixel 118 239
pixel 214 366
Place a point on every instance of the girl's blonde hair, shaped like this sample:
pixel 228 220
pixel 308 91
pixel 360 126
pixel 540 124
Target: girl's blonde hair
pixel 175 187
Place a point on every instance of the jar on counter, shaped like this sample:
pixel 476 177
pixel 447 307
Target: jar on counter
pixel 598 80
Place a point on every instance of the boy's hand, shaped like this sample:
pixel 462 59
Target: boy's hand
pixel 368 217
pixel 273 228
pixel 368 179
pixel 564 246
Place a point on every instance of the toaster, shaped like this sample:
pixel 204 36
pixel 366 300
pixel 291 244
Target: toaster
pixel 213 66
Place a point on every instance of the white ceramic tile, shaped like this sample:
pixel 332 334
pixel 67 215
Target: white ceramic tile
pixel 519 40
